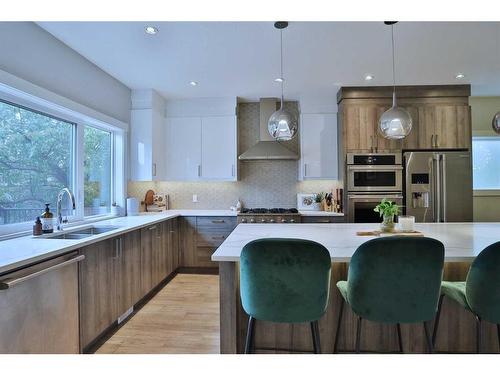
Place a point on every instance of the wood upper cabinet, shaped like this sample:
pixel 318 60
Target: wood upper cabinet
pixel 440 118
pixel 360 127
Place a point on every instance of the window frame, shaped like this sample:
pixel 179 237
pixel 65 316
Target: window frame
pixel 484 192
pixel 79 121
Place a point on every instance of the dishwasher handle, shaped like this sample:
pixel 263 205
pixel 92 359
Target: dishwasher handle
pixel 9 283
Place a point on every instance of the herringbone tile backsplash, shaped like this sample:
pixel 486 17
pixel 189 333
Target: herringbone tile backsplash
pixel 260 184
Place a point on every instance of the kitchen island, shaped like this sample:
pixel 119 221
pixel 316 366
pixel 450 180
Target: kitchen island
pixel 462 241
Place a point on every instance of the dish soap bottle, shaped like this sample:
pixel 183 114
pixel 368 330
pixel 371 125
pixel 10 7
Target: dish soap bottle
pixel 47 220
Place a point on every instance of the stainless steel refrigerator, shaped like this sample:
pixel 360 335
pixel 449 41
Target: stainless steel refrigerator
pixel 438 186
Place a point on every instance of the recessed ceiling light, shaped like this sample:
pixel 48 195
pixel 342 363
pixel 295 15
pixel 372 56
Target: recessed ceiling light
pixel 460 76
pixel 369 77
pixel 151 30
pixel 193 83
pixel 278 80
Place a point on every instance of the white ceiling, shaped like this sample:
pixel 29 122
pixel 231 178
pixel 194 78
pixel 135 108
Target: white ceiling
pixel 242 58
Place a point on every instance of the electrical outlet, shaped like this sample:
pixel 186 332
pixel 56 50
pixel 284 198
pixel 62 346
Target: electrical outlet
pixel 195 198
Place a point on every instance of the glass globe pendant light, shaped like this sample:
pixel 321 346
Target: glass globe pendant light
pixel 496 123
pixel 282 125
pixel 395 123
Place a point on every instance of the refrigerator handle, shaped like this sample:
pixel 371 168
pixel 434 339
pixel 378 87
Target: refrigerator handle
pixel 443 187
pixel 436 190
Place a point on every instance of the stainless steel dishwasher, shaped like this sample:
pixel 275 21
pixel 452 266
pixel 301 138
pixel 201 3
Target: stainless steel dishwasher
pixel 39 307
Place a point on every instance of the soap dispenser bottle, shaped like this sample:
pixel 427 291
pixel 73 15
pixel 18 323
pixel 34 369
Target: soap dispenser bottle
pixel 47 218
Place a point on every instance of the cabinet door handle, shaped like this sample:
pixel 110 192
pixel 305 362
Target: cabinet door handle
pixel 436 140
pixel 199 170
pixel 218 221
pixel 323 221
pixel 218 237
pixel 232 170
pixel 432 140
pixel 154 169
pixel 305 169
pixel 371 143
pixel 9 283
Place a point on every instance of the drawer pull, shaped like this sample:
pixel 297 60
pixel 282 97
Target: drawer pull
pixel 218 237
pixel 218 221
pixel 152 228
pixel 323 221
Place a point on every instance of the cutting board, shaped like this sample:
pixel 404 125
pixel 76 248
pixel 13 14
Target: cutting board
pixel 378 233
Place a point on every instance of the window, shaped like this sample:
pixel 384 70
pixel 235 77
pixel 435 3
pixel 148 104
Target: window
pixel 45 147
pixel 36 162
pixel 97 171
pixel 486 163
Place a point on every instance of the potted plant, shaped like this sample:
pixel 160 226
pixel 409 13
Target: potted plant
pixel 318 199
pixel 387 210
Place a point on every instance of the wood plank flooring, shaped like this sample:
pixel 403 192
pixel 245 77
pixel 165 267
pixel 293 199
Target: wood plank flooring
pixel 182 318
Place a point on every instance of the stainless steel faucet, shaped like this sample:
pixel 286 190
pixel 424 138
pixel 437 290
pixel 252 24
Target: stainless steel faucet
pixel 59 203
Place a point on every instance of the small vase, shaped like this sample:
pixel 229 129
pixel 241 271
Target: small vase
pixel 387 224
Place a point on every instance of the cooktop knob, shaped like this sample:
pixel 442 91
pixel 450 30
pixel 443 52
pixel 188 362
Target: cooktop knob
pixel 283 220
pixel 272 221
pixel 262 220
pixel 292 220
pixel 252 220
pixel 243 220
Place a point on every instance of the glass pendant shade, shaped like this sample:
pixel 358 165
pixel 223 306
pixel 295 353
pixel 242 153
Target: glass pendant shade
pixel 282 125
pixel 395 123
pixel 496 123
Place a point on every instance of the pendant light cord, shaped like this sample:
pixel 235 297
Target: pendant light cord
pixel 393 69
pixel 281 65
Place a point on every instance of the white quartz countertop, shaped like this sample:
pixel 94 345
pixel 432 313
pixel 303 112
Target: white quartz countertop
pixel 22 251
pixel 320 213
pixel 462 241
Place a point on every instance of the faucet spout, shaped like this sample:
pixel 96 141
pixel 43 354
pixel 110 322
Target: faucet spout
pixel 59 204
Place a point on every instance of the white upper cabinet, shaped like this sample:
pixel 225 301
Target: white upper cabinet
pixel 147 132
pixel 219 148
pixel 318 144
pixel 183 149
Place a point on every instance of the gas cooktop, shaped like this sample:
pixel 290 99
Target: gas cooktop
pixel 267 211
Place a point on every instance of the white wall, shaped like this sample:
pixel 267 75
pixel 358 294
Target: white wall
pixel 486 206
pixel 31 53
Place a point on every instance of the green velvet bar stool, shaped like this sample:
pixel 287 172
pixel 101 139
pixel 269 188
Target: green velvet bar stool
pixel 480 293
pixel 394 280
pixel 284 281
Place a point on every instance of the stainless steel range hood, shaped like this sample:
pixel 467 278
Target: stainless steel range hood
pixel 267 148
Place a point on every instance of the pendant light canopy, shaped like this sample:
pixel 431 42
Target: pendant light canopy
pixel 496 123
pixel 282 124
pixel 395 123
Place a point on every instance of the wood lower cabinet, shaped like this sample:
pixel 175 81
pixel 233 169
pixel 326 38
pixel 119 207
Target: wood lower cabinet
pixel 322 219
pixel 99 273
pixel 117 273
pixel 201 236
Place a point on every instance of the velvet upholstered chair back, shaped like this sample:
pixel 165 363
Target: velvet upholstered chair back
pixel 396 279
pixel 285 280
pixel 482 289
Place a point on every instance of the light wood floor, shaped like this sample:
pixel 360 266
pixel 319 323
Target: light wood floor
pixel 182 318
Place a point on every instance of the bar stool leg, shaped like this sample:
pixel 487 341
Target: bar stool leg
pixel 428 338
pixel 400 340
pixel 339 323
pixel 315 337
pixel 358 335
pixel 498 334
pixel 250 333
pixel 478 334
pixel 436 322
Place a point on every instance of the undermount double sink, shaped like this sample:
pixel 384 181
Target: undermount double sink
pixel 78 234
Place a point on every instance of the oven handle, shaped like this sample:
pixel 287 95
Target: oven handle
pixel 367 168
pixel 374 196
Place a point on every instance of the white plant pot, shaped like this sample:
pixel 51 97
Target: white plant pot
pixel 316 206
